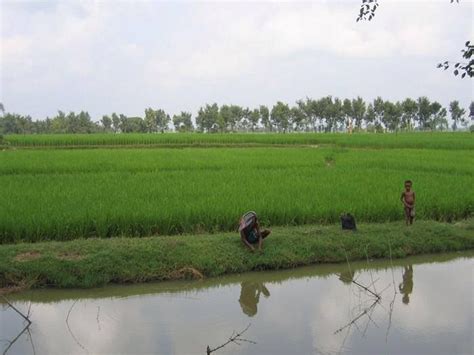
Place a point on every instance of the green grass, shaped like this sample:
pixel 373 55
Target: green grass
pixel 67 194
pixel 419 140
pixel 96 262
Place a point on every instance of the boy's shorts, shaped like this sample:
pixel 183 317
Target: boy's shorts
pixel 410 212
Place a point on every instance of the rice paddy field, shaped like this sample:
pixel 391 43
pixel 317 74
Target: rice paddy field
pixel 64 194
pixel 419 140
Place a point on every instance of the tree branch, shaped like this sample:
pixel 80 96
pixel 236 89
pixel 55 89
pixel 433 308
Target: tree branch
pixel 17 311
pixel 69 328
pixel 234 338
pixel 16 338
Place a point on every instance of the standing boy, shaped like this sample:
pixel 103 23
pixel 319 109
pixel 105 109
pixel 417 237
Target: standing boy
pixel 408 200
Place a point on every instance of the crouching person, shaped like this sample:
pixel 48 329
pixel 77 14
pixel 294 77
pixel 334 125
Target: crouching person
pixel 250 232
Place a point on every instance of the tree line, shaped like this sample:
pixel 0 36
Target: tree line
pixel 327 114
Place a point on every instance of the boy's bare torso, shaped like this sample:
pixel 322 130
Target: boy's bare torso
pixel 409 197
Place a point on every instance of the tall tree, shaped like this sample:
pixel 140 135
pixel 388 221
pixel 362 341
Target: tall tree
pixel 305 109
pixel 244 121
pixel 236 116
pixel 338 114
pixel 358 111
pixel 206 120
pixel 317 109
pixel 162 120
pixel 156 120
pixel 125 124
pixel 254 119
pixel 435 115
pixel 379 111
pixel 150 120
pixel 348 114
pixel 440 122
pixel 424 112
pixel 224 119
pixel 280 116
pixel 85 123
pixel 457 114
pixel 297 119
pixel 370 115
pixel 392 115
pixel 265 117
pixel 333 113
pixel 183 122
pixel 12 123
pixel 116 122
pixel 106 123
pixel 132 124
pixel 58 123
pixel 409 113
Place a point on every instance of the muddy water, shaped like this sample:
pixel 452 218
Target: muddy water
pixel 426 307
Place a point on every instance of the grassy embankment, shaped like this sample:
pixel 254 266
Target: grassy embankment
pixel 96 262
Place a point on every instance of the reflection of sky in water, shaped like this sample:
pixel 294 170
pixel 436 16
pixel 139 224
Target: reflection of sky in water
pixel 297 316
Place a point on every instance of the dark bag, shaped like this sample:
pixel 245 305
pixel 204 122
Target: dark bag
pixel 348 222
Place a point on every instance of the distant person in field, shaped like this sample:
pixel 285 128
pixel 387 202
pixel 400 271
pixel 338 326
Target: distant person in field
pixel 408 200
pixel 250 232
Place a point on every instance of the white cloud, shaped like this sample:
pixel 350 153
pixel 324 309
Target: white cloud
pixel 174 54
pixel 245 43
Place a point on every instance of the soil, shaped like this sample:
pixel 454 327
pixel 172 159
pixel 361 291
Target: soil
pixel 28 256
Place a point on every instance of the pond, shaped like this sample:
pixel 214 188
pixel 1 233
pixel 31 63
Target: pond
pixel 425 307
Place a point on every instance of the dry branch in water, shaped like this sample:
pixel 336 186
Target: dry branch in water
pixel 353 321
pixel 17 311
pixel 367 311
pixel 26 328
pixel 234 338
pixel 16 338
pixel 69 328
pixel 342 277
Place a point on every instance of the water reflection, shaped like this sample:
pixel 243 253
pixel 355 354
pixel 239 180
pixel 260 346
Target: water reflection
pixel 347 276
pixel 311 310
pixel 250 295
pixel 406 287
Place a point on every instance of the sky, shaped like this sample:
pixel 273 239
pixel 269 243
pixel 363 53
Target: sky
pixel 125 56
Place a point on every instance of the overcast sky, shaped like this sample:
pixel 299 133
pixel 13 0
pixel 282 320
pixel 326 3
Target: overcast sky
pixel 122 57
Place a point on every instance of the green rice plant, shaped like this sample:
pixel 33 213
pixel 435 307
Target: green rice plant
pixel 68 194
pixel 417 140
